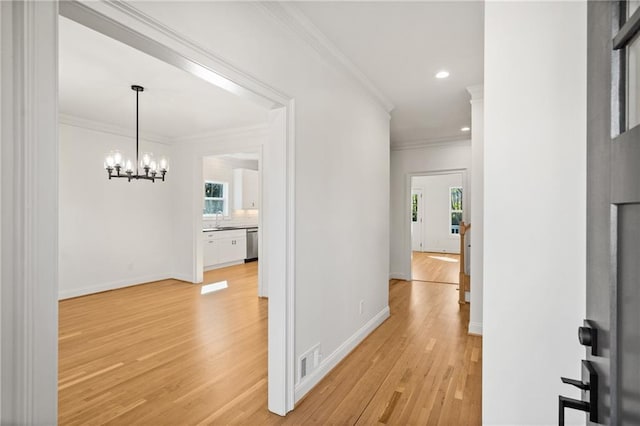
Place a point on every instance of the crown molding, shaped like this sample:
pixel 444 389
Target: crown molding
pixel 292 18
pixel 226 133
pixel 431 143
pixel 72 120
pixel 476 92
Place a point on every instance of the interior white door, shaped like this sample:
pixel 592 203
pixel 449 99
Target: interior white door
pixel 416 219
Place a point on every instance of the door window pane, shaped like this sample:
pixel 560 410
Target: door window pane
pixel 414 208
pixel 633 83
pixel 455 209
pixel 456 218
pixel 632 6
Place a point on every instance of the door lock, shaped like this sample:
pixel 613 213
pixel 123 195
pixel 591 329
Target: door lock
pixel 588 336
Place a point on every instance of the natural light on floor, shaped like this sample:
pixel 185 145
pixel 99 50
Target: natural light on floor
pixel 445 259
pixel 210 288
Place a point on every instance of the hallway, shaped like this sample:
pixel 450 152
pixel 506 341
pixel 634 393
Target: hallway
pixel 419 367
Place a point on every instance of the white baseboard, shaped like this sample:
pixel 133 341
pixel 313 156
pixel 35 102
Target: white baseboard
pixel 475 328
pixel 183 277
pixel 439 250
pixel 398 276
pixel 330 362
pixel 76 292
pixel 223 265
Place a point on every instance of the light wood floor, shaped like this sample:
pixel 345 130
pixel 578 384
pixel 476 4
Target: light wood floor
pixel 435 267
pixel 162 354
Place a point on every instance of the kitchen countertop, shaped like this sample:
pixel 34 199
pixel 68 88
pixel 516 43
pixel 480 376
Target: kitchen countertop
pixel 229 228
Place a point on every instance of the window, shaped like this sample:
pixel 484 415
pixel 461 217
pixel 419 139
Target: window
pixel 455 209
pixel 216 198
pixel 633 84
pixel 414 207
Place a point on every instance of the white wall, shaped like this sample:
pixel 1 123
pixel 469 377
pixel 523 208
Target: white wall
pixel 342 170
pixel 475 236
pixel 404 163
pixel 436 227
pixel 535 181
pixel 112 233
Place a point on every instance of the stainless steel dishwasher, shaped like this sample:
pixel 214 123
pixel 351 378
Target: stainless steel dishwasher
pixel 252 245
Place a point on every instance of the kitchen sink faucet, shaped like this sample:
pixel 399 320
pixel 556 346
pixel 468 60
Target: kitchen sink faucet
pixel 219 212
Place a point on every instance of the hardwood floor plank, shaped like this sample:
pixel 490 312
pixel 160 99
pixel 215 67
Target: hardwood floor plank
pixel 435 267
pixel 163 354
pixel 391 405
pixel 89 376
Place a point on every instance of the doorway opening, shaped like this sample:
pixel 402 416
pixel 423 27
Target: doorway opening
pixel 183 205
pixel 231 195
pixel 437 212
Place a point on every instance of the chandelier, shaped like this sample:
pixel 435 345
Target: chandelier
pixel 117 167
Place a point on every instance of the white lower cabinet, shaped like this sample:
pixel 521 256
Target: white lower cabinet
pixel 232 249
pixel 220 247
pixel 210 251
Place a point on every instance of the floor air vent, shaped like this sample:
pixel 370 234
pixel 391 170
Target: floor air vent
pixel 308 362
pixel 303 368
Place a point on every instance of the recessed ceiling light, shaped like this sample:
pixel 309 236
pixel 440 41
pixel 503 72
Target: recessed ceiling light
pixel 442 74
pixel 465 128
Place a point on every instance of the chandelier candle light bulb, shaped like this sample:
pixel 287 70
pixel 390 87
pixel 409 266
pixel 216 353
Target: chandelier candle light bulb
pixel 113 162
pixel 109 162
pixel 117 158
pixel 146 160
pixel 163 164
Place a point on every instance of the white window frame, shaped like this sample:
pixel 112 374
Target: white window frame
pixel 224 198
pixel 451 210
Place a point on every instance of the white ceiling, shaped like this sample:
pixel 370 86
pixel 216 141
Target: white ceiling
pixel 96 74
pixel 399 46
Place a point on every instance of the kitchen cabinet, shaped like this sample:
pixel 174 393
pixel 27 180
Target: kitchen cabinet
pixel 246 189
pixel 223 247
pixel 232 249
pixel 209 251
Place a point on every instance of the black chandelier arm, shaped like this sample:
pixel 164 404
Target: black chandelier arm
pixel 130 176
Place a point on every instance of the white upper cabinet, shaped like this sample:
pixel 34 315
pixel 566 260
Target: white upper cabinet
pixel 246 194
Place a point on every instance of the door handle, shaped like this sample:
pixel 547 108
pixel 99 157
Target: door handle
pixel 591 387
pixel 576 383
pixel 564 402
